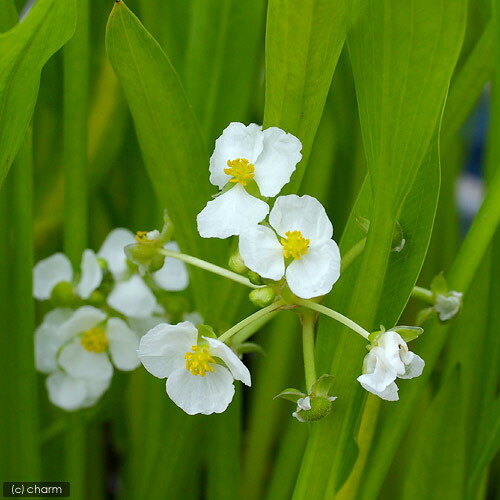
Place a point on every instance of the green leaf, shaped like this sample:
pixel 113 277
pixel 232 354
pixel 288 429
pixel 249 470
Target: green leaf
pixel 304 39
pixel 168 133
pixel 403 56
pixel 24 50
pixel 436 467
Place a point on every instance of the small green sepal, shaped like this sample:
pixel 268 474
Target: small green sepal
pixel 205 331
pixel 322 386
pixel 439 286
pixel 291 394
pixel 408 333
pixel 248 347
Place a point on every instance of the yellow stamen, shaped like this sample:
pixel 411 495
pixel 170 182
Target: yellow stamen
pixel 294 245
pixel 94 340
pixel 141 236
pixel 198 361
pixel 241 170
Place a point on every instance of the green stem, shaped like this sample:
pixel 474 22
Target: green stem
pixel 308 321
pixel 423 294
pixel 352 255
pixel 334 315
pixel 24 378
pixel 247 331
pixel 207 266
pixel 251 319
pixel 76 89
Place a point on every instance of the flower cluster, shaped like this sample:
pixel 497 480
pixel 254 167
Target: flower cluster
pixel 111 314
pixel 251 165
pixel 99 315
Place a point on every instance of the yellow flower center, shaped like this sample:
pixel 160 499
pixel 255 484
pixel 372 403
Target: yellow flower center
pixel 294 245
pixel 94 340
pixel 241 170
pixel 141 236
pixel 198 361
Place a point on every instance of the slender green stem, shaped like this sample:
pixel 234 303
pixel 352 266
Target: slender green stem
pixel 247 331
pixel 251 319
pixel 423 294
pixel 308 321
pixel 334 315
pixel 76 90
pixel 207 266
pixel 352 255
pixel 26 456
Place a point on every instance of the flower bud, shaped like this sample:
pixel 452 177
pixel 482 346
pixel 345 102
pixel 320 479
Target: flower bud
pixel 63 295
pixel 262 297
pixel 254 278
pixel 146 256
pixel 236 263
pixel 312 409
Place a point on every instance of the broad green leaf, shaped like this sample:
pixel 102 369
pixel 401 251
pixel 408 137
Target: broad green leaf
pixel 220 72
pixel 436 467
pixel 24 50
pixel 168 133
pixel 304 39
pixel 403 55
pixel 8 14
pixel 431 343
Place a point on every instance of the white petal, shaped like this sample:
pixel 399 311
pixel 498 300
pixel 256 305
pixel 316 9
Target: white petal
pixel 390 393
pixel 231 213
pixel 48 273
pixel 195 394
pixel 95 389
pixel 123 344
pixel 304 403
pixel 65 391
pixel 132 298
pixel 83 319
pixel 301 213
pixel 377 376
pixel 112 251
pixel 277 161
pixel 237 141
pixel 316 272
pixel 91 274
pixel 414 366
pixel 262 252
pixel 48 340
pixel 173 276
pixel 162 349
pixel 394 350
pixel 78 362
pixel 449 305
pixel 238 370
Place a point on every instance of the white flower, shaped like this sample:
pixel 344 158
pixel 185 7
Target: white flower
pixel 388 359
pixel 131 296
pixel 75 348
pixel 306 234
pixel 447 306
pixel 57 268
pixel 199 375
pixel 243 155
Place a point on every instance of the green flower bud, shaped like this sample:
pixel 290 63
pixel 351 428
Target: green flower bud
pixel 63 295
pixel 236 263
pixel 254 278
pixel 145 255
pixel 312 409
pixel 262 297
pixel 97 298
